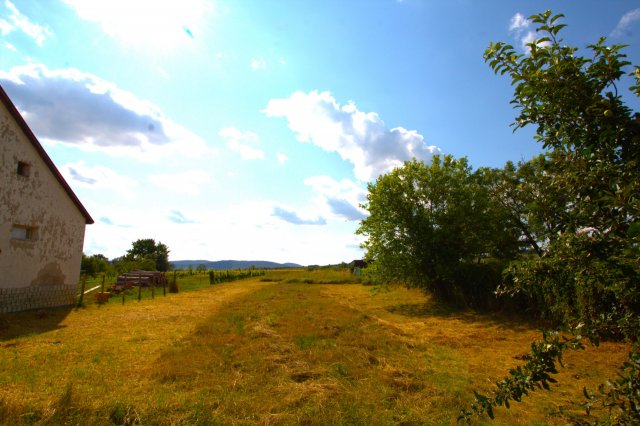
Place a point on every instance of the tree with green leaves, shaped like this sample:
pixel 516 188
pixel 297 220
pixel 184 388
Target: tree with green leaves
pixel 125 264
pixel 584 215
pixel 94 264
pixel 149 249
pixel 434 226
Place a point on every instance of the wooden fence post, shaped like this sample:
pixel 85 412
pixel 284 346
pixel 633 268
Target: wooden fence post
pixel 139 287
pixel 83 280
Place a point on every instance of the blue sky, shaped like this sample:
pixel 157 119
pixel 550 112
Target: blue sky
pixel 250 129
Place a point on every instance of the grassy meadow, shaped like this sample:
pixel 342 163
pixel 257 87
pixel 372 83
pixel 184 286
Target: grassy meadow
pixel 291 347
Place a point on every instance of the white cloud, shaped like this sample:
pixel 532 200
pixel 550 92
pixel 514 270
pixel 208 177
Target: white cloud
pixel 98 178
pixel 519 27
pixel 5 27
pixel 236 142
pixel 295 218
pixel 177 217
pixel 258 64
pixel 15 20
pixel 72 107
pixel 333 201
pixel 339 198
pixel 248 231
pixel 518 22
pixel 150 24
pixel 282 158
pixel 361 138
pixel 10 46
pixel 188 182
pixel 625 22
pixel 528 38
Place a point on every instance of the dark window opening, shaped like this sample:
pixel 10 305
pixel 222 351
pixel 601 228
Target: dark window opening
pixel 24 169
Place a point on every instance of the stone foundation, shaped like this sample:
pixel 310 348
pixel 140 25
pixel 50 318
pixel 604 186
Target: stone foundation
pixel 27 298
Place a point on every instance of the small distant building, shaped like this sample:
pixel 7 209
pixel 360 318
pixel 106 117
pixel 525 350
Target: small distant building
pixel 42 222
pixel 357 265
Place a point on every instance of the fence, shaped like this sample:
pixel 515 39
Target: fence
pixel 137 285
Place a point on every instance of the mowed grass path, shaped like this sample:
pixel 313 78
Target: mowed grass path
pixel 271 352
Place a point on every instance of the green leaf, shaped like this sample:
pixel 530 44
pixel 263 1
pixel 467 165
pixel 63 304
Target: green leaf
pixel 634 230
pixel 557 28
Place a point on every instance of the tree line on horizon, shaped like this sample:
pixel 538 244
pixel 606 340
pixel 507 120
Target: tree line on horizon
pixel 145 254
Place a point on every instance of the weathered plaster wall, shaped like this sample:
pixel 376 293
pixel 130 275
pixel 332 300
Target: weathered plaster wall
pixel 52 259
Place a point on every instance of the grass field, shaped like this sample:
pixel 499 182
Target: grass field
pixel 292 347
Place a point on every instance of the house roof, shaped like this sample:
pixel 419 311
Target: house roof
pixel 40 150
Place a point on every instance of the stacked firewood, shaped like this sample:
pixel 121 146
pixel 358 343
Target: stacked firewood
pixel 142 278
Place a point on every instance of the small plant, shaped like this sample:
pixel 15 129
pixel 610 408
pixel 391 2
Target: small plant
pixel 238 321
pixel 533 375
pixel 305 342
pixel 124 415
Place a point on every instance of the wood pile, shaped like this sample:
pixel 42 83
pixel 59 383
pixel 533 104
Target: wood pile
pixel 142 278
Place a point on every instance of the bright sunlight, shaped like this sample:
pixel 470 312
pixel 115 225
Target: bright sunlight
pixel 158 25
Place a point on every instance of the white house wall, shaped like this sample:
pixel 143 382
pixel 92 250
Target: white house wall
pixel 41 229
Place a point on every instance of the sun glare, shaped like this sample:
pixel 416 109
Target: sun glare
pixel 160 25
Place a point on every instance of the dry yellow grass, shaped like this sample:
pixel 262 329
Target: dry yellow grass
pixel 255 352
pixel 488 346
pixel 104 353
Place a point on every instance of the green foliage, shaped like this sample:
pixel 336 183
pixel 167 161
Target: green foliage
pixel 437 227
pixel 217 277
pixel 534 374
pixel 581 204
pixel 589 210
pixel 94 264
pixel 622 396
pixel 149 249
pixel 125 264
pixel 530 205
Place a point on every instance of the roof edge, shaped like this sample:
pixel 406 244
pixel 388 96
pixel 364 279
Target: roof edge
pixel 43 154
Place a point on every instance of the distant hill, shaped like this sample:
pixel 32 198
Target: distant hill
pixel 231 264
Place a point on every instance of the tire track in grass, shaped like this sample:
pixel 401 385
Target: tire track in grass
pixel 288 354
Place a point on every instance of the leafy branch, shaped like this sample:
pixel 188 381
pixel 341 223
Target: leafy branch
pixel 622 396
pixel 535 374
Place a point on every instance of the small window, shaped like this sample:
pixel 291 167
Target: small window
pixel 24 233
pixel 24 169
